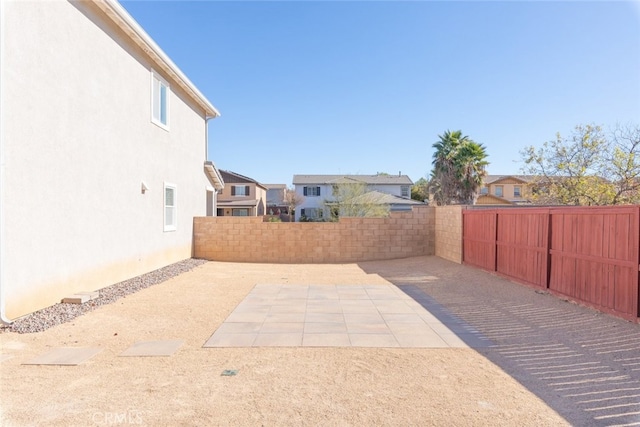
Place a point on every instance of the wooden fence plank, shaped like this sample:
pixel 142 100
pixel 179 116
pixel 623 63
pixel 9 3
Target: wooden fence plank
pixel 589 254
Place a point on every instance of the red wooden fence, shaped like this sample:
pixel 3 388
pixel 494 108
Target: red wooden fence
pixel 589 254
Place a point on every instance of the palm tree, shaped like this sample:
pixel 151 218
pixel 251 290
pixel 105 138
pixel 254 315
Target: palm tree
pixel 458 168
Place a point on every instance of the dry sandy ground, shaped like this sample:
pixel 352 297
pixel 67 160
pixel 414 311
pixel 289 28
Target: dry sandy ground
pixel 273 386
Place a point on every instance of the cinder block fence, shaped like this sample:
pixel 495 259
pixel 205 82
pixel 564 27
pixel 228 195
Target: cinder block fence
pixel 249 239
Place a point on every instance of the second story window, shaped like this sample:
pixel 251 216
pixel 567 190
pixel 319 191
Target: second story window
pixel 484 190
pixel 311 191
pixel 240 190
pixel 404 191
pixel 498 190
pixel 159 101
pixel 517 191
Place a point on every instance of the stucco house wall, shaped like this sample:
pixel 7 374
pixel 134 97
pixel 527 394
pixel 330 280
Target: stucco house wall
pixel 78 142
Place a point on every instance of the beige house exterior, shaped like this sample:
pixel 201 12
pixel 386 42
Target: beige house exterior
pixel 103 152
pixel 242 196
pixel 505 190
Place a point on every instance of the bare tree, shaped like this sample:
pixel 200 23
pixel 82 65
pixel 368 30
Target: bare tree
pixel 293 200
pixel 354 199
pixel 589 167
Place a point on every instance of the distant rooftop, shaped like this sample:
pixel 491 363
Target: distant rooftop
pixel 493 178
pixel 367 179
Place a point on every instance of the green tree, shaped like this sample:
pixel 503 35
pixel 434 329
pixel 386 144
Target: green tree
pixel 458 169
pixel 353 198
pixel 420 190
pixel 588 168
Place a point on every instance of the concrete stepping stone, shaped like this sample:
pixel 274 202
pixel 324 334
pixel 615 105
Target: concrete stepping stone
pixel 65 356
pixel 152 348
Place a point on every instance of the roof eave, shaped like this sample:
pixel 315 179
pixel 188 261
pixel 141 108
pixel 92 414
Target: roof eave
pixel 214 175
pixel 139 36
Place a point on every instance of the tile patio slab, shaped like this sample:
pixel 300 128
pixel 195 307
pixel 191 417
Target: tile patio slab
pixel 230 340
pixel 65 356
pixel 152 348
pixel 326 340
pixel 340 316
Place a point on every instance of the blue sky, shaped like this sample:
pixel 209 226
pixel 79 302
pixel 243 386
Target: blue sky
pixel 332 87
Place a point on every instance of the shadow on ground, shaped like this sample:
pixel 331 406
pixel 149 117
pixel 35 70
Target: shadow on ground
pixel 582 363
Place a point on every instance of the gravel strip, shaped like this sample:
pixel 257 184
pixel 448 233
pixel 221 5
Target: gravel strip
pixel 61 313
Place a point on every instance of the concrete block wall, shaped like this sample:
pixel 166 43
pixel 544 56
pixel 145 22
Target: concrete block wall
pixel 249 239
pixel 448 232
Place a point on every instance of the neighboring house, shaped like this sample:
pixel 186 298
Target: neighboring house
pixel 318 189
pixel 242 196
pixel 275 199
pixel 505 190
pixel 103 152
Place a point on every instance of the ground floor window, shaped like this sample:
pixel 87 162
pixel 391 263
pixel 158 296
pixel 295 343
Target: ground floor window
pixel 240 212
pixel 170 207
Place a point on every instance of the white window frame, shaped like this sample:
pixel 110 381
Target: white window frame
pixel 517 191
pixel 405 191
pixel 174 225
pixel 155 77
pixel 312 190
pixel 499 190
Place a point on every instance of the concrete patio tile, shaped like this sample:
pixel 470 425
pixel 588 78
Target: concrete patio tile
pixel 65 356
pixel 421 340
pixel 326 340
pixel 408 328
pixel 252 308
pixel 323 295
pixel 295 287
pixel 239 328
pixel 285 317
pixel 393 307
pixel 278 340
pixel 371 318
pixel 291 306
pixel 403 318
pixel 373 340
pixel 327 306
pixel 428 317
pixel 4 357
pixel 246 317
pixel 441 328
pixel 281 328
pixel 453 340
pixel 152 348
pixel 266 288
pixel 365 309
pixel 383 295
pixel 368 328
pixel 230 340
pixel 324 318
pixel 324 327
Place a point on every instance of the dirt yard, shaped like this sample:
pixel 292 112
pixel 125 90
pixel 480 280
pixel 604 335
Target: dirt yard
pixel 273 386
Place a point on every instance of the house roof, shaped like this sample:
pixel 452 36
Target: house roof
pixel 388 199
pixel 367 179
pixel 120 17
pixel 275 186
pixel 490 179
pixel 235 178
